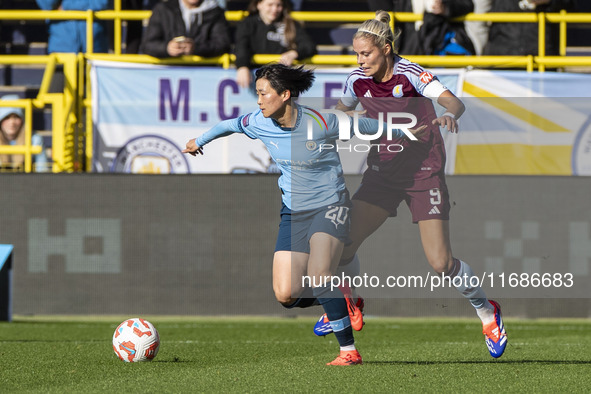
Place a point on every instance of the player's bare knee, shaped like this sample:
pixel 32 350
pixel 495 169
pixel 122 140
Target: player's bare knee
pixel 287 302
pixel 283 296
pixel 442 265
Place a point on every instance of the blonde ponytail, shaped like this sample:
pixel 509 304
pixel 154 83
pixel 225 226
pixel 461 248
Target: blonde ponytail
pixel 378 30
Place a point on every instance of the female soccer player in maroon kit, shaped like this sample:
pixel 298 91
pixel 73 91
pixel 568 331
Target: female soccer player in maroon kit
pixel 385 82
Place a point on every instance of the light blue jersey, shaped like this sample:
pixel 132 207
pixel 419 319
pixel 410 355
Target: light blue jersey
pixel 311 171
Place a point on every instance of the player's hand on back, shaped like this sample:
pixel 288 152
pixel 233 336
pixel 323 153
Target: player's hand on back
pixel 192 148
pixel 448 122
pixel 353 112
pixel 419 131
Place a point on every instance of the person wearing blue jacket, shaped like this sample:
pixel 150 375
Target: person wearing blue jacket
pixel 70 35
pixel 11 133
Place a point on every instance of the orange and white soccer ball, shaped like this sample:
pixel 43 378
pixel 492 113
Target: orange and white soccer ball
pixel 136 340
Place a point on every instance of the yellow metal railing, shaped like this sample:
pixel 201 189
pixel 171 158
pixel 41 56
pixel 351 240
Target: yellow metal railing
pixel 541 19
pixel 528 63
pixel 28 149
pixel 63 105
pixel 562 18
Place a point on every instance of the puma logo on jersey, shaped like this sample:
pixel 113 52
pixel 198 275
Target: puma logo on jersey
pixel 275 144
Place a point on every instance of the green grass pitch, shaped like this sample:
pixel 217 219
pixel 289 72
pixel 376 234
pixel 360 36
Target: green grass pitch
pixel 246 354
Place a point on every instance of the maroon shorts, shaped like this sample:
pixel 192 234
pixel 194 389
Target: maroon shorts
pixel 427 204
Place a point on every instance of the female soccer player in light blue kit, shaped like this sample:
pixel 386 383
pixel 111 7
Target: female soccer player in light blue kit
pixel 314 223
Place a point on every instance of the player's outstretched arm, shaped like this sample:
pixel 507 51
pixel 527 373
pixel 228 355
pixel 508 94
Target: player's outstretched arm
pixel 222 129
pixel 342 107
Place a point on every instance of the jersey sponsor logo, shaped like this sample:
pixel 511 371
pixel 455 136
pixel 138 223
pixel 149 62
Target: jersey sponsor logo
pixel 426 77
pixel 397 91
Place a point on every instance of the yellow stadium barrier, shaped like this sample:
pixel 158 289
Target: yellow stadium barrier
pixel 118 16
pixel 28 149
pixel 63 107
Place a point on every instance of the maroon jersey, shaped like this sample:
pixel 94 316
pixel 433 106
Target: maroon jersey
pixel 416 166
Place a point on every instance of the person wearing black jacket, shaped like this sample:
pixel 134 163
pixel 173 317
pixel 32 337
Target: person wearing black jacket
pixel 269 29
pixel 521 39
pixel 187 27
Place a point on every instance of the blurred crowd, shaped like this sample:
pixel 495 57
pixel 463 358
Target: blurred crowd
pixel 199 27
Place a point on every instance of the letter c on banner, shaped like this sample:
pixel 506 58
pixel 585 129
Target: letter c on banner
pixel 221 99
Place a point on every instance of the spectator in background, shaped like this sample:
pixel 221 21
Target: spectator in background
pixel 520 39
pixel 269 29
pixel 135 29
pixel 478 30
pixel 12 133
pixel 70 35
pixel 436 34
pixel 406 31
pixel 187 27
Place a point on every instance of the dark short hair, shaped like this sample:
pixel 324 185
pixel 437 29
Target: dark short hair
pixel 295 79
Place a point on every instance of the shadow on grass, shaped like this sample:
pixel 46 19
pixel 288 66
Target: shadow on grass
pixel 173 361
pixel 542 362
pixel 53 340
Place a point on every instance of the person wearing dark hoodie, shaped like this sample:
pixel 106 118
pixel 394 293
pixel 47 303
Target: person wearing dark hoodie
pixel 187 27
pixel 269 29
pixel 521 39
pixel 437 33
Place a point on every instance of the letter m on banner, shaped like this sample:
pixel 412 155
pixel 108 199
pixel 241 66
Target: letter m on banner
pixel 171 102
